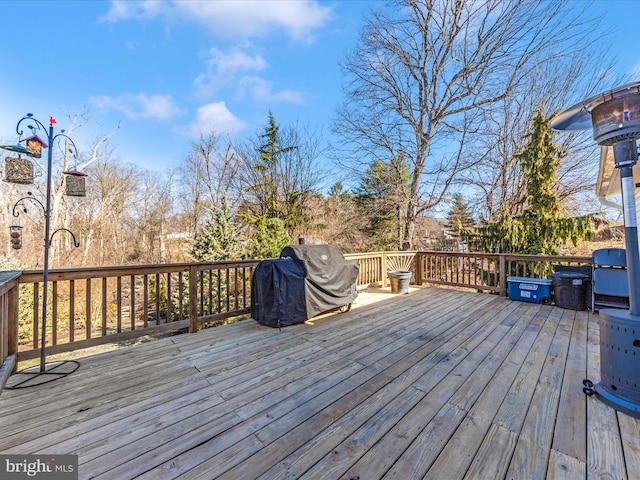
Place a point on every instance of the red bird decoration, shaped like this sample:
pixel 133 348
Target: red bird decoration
pixel 52 121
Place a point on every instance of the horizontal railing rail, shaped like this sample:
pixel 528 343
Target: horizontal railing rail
pixel 92 306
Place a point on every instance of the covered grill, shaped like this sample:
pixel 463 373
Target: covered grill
pixel 305 281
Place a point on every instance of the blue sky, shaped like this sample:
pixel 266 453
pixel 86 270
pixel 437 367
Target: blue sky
pixel 163 70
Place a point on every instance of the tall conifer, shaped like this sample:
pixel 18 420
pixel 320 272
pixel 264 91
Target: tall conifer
pixel 541 228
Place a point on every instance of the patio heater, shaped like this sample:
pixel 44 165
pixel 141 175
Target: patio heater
pixel 615 119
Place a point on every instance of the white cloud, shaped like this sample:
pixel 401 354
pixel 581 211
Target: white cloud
pixel 141 106
pixel 262 90
pixel 227 70
pixel 215 117
pixel 223 68
pixel 136 9
pixel 260 17
pixel 234 18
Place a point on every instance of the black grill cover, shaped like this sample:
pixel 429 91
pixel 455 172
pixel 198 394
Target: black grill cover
pixel 307 280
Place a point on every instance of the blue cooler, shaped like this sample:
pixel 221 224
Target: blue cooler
pixel 534 290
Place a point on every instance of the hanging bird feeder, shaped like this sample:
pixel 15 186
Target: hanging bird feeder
pixel 75 183
pixel 20 170
pixel 35 144
pixel 16 236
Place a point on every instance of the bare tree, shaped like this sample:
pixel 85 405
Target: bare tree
pixel 425 72
pixel 208 174
pixel 339 220
pixel 496 178
pixel 300 175
pixel 99 217
pixel 151 217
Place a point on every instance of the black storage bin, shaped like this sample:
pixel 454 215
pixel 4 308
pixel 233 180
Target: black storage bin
pixel 585 270
pixel 570 290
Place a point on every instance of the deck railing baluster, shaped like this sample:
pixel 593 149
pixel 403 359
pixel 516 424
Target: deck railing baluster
pixel 87 308
pixel 132 301
pixel 218 291
pixel 169 299
pixel 193 299
pixel 210 302
pixel 119 303
pixel 226 286
pixel 145 300
pixel 103 306
pixel 54 313
pixel 36 314
pixel 72 310
pixel 235 288
pixel 201 295
pixel 180 296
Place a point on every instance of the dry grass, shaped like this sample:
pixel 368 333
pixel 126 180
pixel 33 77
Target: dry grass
pixel 586 248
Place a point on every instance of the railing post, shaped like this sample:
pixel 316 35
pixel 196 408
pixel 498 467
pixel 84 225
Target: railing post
pixel 13 304
pixel 383 269
pixel 418 267
pixel 9 291
pixel 193 299
pixel 503 275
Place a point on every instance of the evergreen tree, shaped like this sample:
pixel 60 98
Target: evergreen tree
pixel 220 238
pixel 459 217
pixel 381 197
pixel 266 171
pixel 279 177
pixel 269 239
pixel 540 229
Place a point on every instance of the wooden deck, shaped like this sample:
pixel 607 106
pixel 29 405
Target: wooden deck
pixel 436 384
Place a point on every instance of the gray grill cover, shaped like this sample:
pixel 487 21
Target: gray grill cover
pixel 277 293
pixel 307 280
pixel 329 279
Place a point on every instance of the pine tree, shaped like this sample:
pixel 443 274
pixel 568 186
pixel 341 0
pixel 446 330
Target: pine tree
pixel 381 197
pixel 220 238
pixel 269 239
pixel 266 168
pixel 541 228
pixel 459 217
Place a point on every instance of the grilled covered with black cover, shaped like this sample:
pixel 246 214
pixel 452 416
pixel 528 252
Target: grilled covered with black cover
pixel 305 281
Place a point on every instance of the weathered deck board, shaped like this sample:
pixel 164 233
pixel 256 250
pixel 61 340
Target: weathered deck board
pixel 605 457
pixel 438 384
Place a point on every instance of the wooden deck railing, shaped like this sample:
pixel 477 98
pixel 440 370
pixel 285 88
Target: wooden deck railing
pixel 487 271
pixel 91 306
pixel 375 265
pixel 8 323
